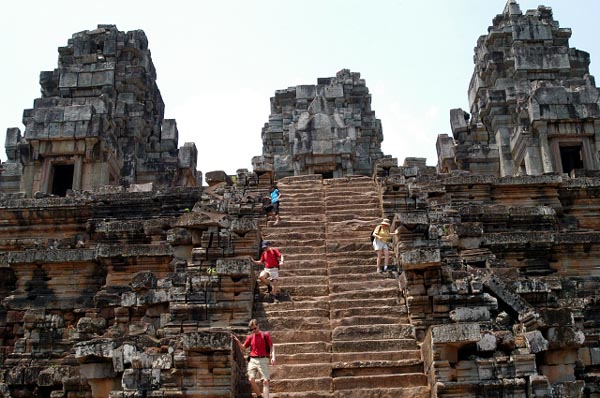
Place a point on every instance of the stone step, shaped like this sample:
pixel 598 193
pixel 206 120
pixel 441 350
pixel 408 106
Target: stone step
pixel 303 358
pixel 376 367
pixel 336 218
pixel 372 332
pixel 394 392
pixel 352 180
pixel 399 312
pixel 300 371
pixel 303 337
pixel 381 381
pixel 294 221
pixel 318 292
pixel 299 255
pixel 302 248
pixel 292 270
pixel 362 356
pixel 295 281
pixel 349 203
pixel 276 312
pixel 364 266
pixel 299 385
pixel 301 297
pixel 406 361
pixel 365 320
pixel 348 247
pixel 297 196
pixel 303 347
pixel 365 345
pixel 303 394
pixel 356 203
pixel 286 236
pixel 369 286
pixel 353 189
pixel 365 302
pixel 299 261
pixel 297 305
pixel 349 213
pixel 365 294
pixel 369 252
pixel 300 208
pixel 366 278
pixel 306 323
pixel 354 265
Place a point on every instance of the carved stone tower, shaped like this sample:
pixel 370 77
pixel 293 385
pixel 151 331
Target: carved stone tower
pixel 534 108
pixel 100 121
pixel 327 129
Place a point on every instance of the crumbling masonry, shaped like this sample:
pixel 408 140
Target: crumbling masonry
pixel 123 275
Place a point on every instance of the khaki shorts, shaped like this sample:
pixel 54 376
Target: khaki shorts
pixel 272 273
pixel 258 369
pixel 378 244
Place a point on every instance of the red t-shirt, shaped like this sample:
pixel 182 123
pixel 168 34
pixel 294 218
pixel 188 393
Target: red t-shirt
pixel 270 257
pixel 257 342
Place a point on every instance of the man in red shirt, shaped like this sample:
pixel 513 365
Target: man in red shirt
pixel 261 348
pixel 272 258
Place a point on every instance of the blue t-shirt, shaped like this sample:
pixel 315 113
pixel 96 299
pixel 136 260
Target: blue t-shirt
pixel 275 195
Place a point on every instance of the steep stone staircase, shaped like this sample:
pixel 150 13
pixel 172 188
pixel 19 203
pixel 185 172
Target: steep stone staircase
pixel 340 329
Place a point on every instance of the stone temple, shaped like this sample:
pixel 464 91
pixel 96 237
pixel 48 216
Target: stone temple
pixel 126 272
pixel 326 129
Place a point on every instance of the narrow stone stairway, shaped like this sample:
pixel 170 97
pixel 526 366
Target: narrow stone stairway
pixel 340 329
pixel 299 323
pixel 374 352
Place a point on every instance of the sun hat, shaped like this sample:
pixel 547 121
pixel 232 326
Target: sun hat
pixel 385 222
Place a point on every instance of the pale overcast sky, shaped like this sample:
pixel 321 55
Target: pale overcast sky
pixel 219 62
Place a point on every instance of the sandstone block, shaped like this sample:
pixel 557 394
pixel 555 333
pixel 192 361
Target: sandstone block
pixel 456 333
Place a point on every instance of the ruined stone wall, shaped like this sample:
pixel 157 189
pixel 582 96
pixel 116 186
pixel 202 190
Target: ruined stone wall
pixel 327 128
pixel 501 279
pixel 534 107
pixel 100 121
pixel 120 292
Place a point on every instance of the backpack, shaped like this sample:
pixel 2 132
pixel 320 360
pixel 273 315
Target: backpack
pixel 373 233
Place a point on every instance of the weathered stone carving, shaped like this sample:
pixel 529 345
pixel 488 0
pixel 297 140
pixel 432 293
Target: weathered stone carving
pixel 534 107
pixel 100 121
pixel 327 129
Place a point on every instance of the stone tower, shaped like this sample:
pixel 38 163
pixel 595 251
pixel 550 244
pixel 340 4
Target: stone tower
pixel 100 121
pixel 534 108
pixel 327 128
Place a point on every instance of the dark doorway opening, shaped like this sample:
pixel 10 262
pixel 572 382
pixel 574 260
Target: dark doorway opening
pixel 327 175
pixel 571 158
pixel 62 179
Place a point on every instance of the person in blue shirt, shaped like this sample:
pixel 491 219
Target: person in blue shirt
pixel 275 202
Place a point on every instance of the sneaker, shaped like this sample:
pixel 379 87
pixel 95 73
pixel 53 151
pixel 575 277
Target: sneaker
pixel 385 268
